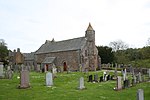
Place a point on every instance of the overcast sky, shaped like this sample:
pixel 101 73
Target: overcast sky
pixel 27 24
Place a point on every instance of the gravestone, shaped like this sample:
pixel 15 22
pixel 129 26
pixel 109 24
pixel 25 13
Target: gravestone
pixel 1 70
pixel 140 94
pixel 108 77
pixel 124 76
pixel 140 77
pixel 90 78
pixel 9 74
pixel 101 79
pixel 104 76
pixel 38 68
pixel 149 72
pixel 115 73
pixel 24 79
pixel 81 83
pixel 8 67
pixel 96 77
pixel 49 79
pixel 133 80
pixel 23 67
pixel 119 85
pixel 126 83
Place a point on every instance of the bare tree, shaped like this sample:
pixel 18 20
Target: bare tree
pixel 118 45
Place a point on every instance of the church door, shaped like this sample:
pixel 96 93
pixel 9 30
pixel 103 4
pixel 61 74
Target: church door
pixel 65 66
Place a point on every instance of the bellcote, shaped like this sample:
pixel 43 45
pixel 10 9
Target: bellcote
pixel 89 27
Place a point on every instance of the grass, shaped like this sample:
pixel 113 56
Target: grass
pixel 65 88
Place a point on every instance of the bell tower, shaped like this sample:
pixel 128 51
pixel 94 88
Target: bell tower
pixel 91 49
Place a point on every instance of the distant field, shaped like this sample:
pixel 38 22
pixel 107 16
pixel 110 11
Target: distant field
pixel 65 88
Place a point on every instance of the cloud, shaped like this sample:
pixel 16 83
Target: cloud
pixel 31 22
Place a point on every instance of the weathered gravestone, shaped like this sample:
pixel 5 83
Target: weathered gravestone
pixel 124 74
pixel 140 77
pixel 8 67
pixel 1 70
pixel 90 78
pixel 126 83
pixel 24 79
pixel 38 68
pixel 81 83
pixel 149 73
pixel 140 94
pixel 9 74
pixel 23 67
pixel 108 77
pixel 96 77
pixel 49 79
pixel 119 85
pixel 115 73
pixel 133 80
pixel 101 79
pixel 104 76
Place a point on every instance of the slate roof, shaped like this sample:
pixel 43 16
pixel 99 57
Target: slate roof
pixel 29 56
pixel 65 45
pixel 49 60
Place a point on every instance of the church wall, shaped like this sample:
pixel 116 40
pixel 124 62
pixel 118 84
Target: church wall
pixel 72 58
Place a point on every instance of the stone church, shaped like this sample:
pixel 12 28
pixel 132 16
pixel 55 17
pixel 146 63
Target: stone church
pixel 73 53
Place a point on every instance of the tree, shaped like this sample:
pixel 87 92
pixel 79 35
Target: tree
pixel 3 51
pixel 148 42
pixel 106 54
pixel 118 45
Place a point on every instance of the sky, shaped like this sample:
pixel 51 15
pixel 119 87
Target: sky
pixel 27 24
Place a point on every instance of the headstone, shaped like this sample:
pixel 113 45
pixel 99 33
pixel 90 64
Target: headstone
pixel 140 77
pixel 81 83
pixel 1 70
pixel 96 77
pixel 8 67
pixel 124 76
pixel 101 79
pixel 38 68
pixel 49 79
pixel 149 72
pixel 90 78
pixel 119 85
pixel 23 67
pixel 108 77
pixel 140 94
pixel 9 74
pixel 133 80
pixel 115 73
pixel 24 79
pixel 104 76
pixel 125 83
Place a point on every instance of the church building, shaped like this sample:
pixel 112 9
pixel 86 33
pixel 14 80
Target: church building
pixel 71 54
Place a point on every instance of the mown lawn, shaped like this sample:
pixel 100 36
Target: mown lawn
pixel 65 88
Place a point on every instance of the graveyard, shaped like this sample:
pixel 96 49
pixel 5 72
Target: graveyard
pixel 66 86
